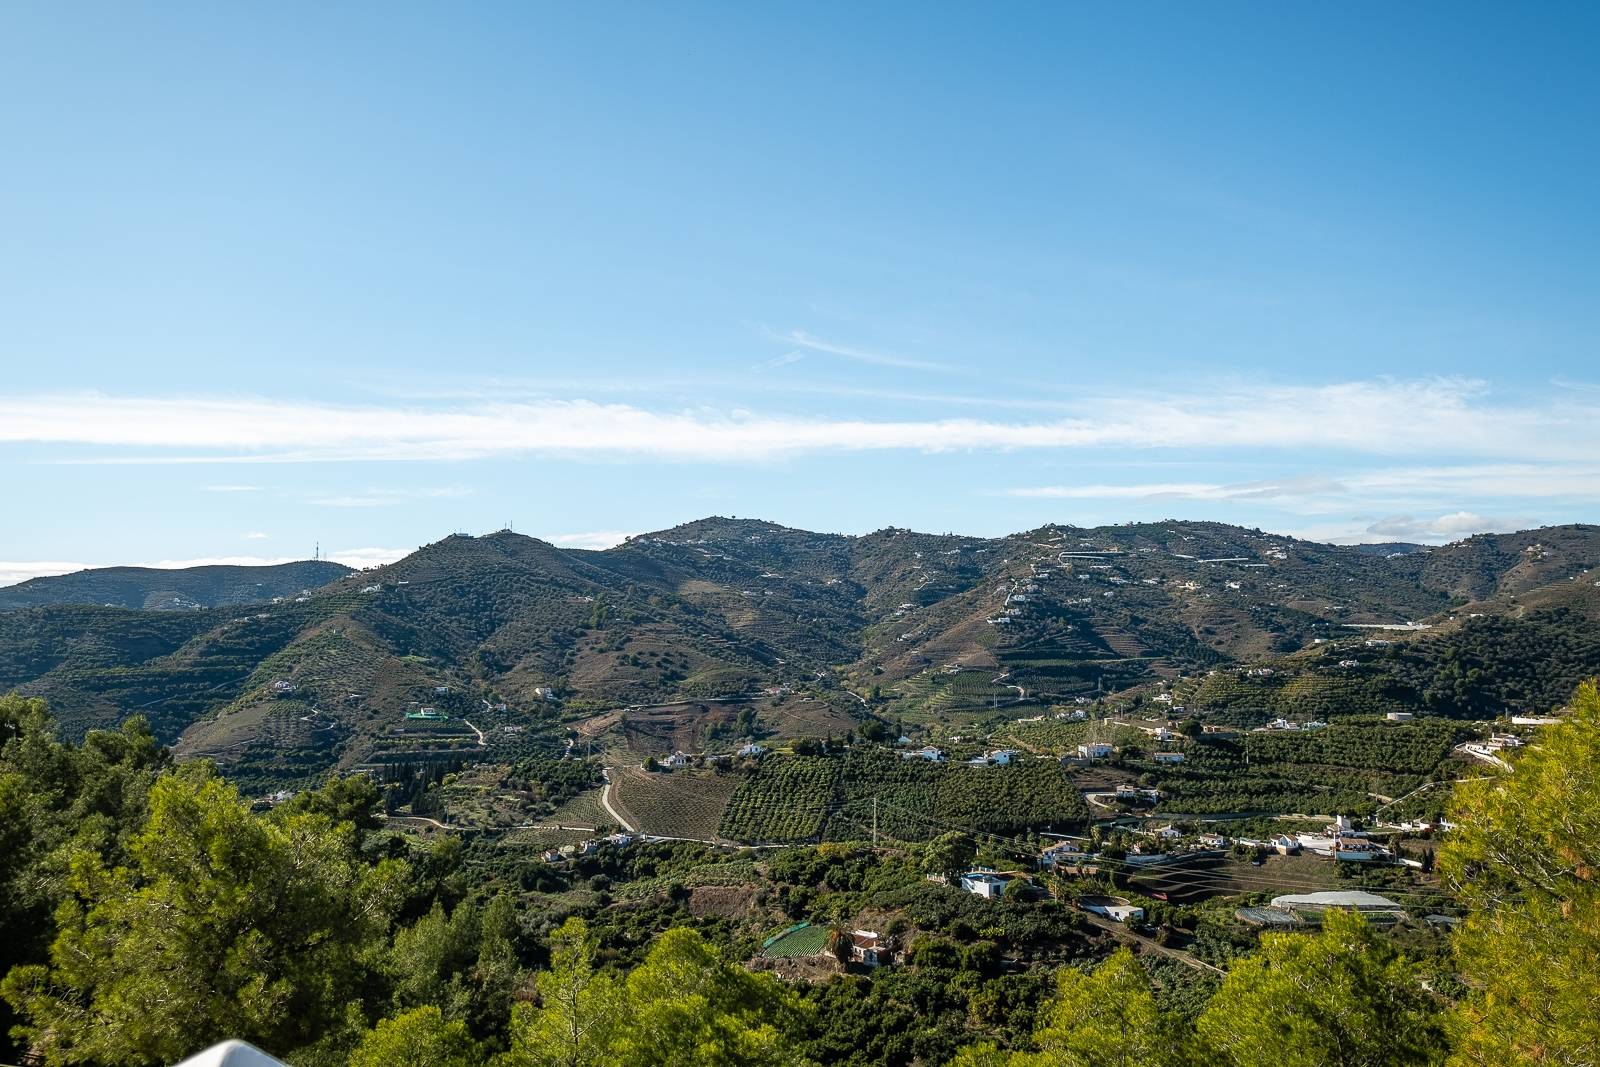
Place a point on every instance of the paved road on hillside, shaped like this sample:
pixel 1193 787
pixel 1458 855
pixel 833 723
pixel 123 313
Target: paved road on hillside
pixel 605 802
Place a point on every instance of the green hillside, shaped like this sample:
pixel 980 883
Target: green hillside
pixel 794 633
pixel 175 589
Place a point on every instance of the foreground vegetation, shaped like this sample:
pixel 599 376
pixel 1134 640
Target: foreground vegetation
pixel 149 911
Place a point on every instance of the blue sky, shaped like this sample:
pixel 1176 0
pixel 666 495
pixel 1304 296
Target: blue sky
pixel 367 274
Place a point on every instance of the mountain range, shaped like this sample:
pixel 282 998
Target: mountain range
pixel 893 624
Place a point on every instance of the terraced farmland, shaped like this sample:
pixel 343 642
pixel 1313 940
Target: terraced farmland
pixel 808 797
pixel 796 942
pixel 681 804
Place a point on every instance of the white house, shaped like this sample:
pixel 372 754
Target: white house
pixel 753 749
pixel 927 752
pixel 1167 757
pixel 1094 750
pixel 983 883
pixel 1061 852
pixel 1399 716
pixel 866 948
pixel 1117 909
pixel 676 760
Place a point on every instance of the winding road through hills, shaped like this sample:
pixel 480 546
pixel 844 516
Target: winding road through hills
pixel 605 802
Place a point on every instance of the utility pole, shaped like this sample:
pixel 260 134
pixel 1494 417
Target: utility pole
pixel 874 820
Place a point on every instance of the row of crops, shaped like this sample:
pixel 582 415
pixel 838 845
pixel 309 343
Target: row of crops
pixel 839 796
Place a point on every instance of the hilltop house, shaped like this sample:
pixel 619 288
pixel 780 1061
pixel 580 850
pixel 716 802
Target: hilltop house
pixel 984 883
pixel 927 752
pixel 753 749
pixel 1095 750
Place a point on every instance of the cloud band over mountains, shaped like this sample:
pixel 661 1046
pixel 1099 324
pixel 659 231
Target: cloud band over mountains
pixel 1431 417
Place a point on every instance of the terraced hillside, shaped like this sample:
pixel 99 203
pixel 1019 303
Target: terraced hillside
pixel 785 633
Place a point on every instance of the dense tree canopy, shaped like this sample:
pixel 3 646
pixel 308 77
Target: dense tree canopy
pixel 1341 998
pixel 1525 858
pixel 222 925
pixel 684 1004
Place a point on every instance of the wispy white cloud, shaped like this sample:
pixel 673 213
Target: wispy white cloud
pixel 781 361
pixel 859 355
pixel 1433 417
pixel 1257 490
pixel 255 535
pixel 590 539
pixel 1442 528
pixel 1577 482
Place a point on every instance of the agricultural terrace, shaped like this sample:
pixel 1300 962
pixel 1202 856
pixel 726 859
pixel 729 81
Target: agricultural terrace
pixel 680 804
pixel 797 941
pixel 810 797
pixel 1353 766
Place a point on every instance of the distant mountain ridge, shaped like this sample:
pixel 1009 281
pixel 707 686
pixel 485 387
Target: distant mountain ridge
pixel 172 589
pixel 893 623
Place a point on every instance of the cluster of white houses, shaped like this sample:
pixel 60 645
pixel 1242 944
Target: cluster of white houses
pixel 1166 844
pixel 1490 751
pixel 680 760
pixel 559 857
